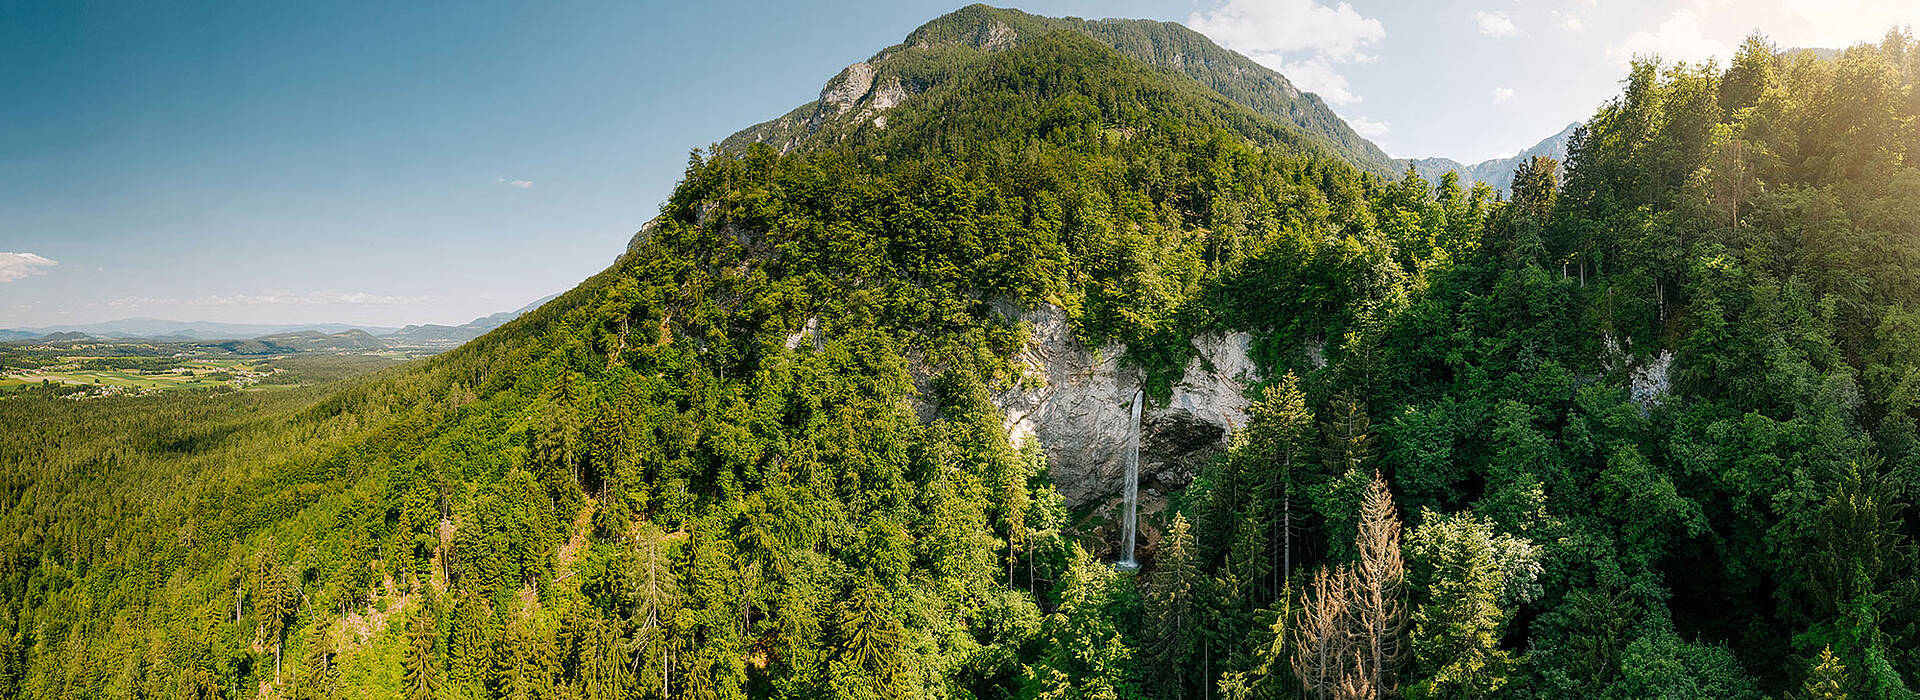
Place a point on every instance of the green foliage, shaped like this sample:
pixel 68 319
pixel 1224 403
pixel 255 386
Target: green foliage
pixel 1657 417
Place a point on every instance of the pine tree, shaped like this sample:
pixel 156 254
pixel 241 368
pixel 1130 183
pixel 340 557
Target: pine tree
pixel 422 671
pixel 870 634
pixel 277 601
pixel 1171 610
pixel 320 674
pixel 468 640
pixel 1348 444
pixel 1827 680
pixel 651 595
pixel 1279 433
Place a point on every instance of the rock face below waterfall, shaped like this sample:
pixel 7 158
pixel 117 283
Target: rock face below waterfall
pixel 1076 403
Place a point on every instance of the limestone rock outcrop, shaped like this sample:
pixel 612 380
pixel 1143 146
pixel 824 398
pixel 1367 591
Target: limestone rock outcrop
pixel 1075 402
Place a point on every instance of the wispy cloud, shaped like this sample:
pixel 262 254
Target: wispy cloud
pixel 1680 37
pixel 1697 30
pixel 273 298
pixel 1495 24
pixel 1302 39
pixel 1368 127
pixel 1502 94
pixel 522 184
pixel 15 266
pixel 1570 22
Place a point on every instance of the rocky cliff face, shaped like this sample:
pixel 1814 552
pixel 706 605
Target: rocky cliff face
pixel 1076 401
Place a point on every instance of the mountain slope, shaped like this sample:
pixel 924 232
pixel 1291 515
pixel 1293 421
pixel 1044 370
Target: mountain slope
pixel 943 48
pixel 656 416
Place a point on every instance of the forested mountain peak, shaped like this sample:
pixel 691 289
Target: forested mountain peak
pixel 947 45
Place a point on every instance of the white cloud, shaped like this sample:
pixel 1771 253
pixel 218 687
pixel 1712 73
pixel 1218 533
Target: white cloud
pixel 1502 94
pixel 15 266
pixel 274 298
pixel 1569 22
pixel 522 184
pixel 1316 75
pixel 1702 29
pixel 1678 38
pixel 1495 24
pixel 1302 39
pixel 1367 127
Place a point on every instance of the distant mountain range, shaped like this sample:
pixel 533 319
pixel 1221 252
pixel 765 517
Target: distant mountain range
pixel 251 338
pixel 1496 172
pixel 158 329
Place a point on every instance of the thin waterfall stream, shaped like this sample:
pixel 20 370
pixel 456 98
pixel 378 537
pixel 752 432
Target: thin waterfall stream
pixel 1131 496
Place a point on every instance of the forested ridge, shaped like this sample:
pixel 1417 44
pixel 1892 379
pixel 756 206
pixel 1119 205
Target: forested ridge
pixel 1647 432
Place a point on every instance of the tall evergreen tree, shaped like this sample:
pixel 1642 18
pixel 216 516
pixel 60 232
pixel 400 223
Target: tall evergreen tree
pixel 1172 612
pixel 421 664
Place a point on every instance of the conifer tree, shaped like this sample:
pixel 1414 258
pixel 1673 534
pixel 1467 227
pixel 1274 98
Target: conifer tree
pixel 320 674
pixel 421 666
pixel 1279 433
pixel 870 635
pixel 1827 680
pixel 1349 445
pixel 1171 610
pixel 1324 655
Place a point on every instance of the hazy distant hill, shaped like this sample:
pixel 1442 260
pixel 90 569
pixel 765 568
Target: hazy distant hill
pixel 155 328
pixel 1497 172
pixel 297 337
pixel 433 335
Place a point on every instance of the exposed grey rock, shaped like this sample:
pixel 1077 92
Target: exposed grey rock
pixel 1649 382
pixel 1075 401
pixel 810 330
pixel 847 88
pixel 996 36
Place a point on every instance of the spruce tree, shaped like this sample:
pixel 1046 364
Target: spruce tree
pixel 422 671
pixel 1827 680
pixel 1171 610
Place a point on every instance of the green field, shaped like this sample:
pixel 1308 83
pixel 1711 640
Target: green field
pixel 186 374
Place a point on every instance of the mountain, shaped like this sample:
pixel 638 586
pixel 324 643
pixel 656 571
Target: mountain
pixel 355 340
pixel 1077 379
pixel 1497 172
pixel 414 337
pixel 154 328
pixel 434 336
pixel 949 46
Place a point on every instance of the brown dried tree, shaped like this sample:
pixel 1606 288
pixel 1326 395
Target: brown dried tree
pixel 1350 637
pixel 1379 608
pixel 1323 653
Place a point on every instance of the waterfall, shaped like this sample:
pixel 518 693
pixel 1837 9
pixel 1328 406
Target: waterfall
pixel 1130 519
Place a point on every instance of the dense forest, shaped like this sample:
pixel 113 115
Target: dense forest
pixel 1644 431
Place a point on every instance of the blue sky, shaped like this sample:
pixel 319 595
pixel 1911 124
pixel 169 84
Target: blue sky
pixel 390 163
